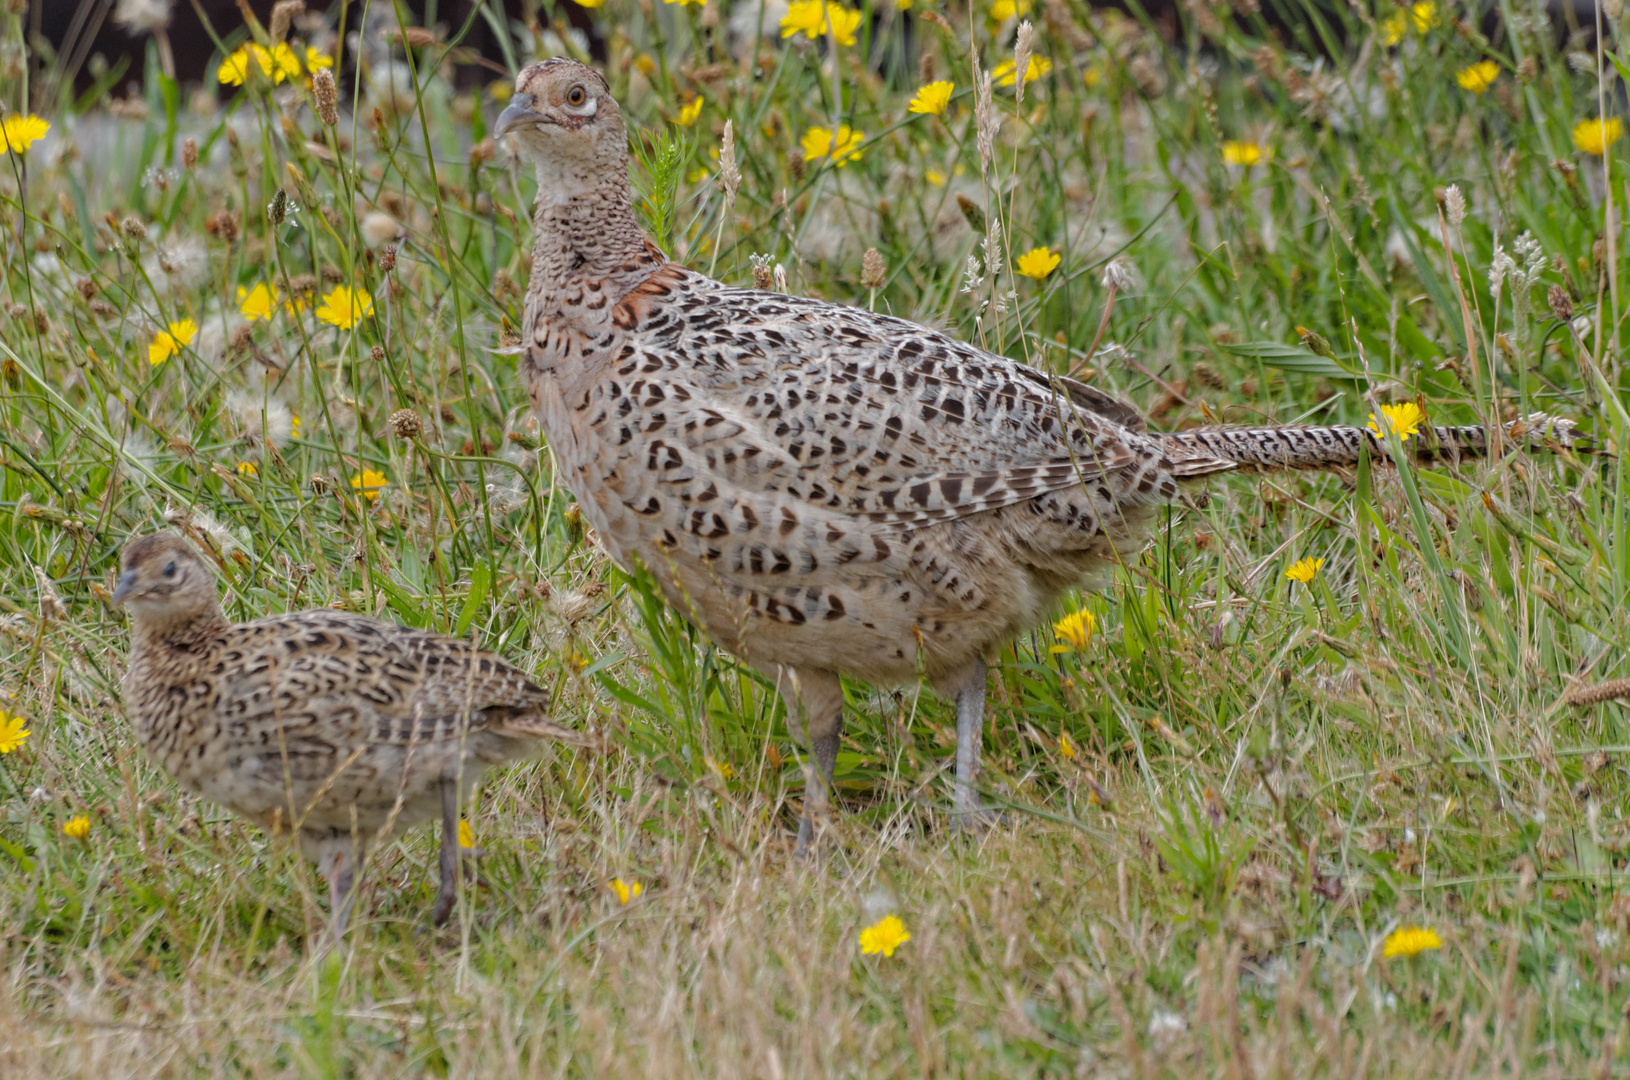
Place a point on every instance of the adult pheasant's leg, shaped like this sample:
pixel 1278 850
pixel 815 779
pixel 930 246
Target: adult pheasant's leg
pixel 970 734
pixel 339 865
pixel 449 852
pixel 815 704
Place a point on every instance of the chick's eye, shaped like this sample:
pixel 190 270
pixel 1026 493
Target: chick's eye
pixel 169 571
pixel 575 96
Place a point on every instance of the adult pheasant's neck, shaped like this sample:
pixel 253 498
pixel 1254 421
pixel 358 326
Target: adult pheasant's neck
pixel 589 236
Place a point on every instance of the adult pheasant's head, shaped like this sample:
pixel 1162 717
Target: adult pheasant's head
pixel 567 124
pixel 165 583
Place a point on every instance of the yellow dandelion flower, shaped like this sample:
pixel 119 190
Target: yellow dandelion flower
pixel 1392 29
pixel 932 99
pixel 1007 72
pixel 466 835
pixel 1304 570
pixel 902 5
pixel 819 143
pixel 1037 263
pixel 345 307
pixel 1003 10
pixel 812 18
pixel 590 4
pixel 682 3
pixel 1074 631
pixel 698 174
pixel 884 936
pixel 935 177
pixel 1421 17
pixel 248 468
pixel 1410 941
pixel 368 483
pixel 1479 77
pixel 689 112
pixel 1092 75
pixel 626 890
pixel 257 303
pixel 284 64
pixel 1245 153
pixel 1403 419
pixel 234 70
pixel 724 768
pixel 77 828
pixel 12 732
pixel 500 89
pixel 18 133
pixel 1066 747
pixel 1595 136
pixel 1424 14
pixel 294 425
pixel 317 60
pixel 166 343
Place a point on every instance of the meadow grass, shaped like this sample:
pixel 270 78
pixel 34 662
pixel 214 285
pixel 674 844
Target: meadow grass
pixel 1221 803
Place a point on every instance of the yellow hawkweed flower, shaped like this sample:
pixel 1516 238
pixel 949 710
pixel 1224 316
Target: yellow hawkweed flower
pixel 1479 77
pixel 819 143
pixel 1066 747
pixel 812 18
pixel 1074 631
pixel 77 828
pixel 724 768
pixel 590 4
pixel 277 63
pixel 626 890
pixel 1003 10
pixel 935 177
pixel 1037 263
pixel 1422 16
pixel 345 307
pixel 689 112
pixel 316 60
pixel 166 343
pixel 1595 136
pixel 12 732
pixel 248 468
pixel 18 133
pixel 1304 570
pixel 884 936
pixel 932 99
pixel 1092 75
pixel 294 425
pixel 257 303
pixel 1403 419
pixel 1410 941
pixel 1245 153
pixel 466 835
pixel 368 483
pixel 1007 72
pixel 682 3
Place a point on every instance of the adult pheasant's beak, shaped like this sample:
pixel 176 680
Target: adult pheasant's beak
pixel 518 112
pixel 126 586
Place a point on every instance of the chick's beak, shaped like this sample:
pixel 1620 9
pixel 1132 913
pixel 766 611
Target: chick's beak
pixel 127 585
pixel 517 113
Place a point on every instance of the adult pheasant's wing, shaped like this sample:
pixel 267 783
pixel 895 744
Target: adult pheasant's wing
pixel 866 415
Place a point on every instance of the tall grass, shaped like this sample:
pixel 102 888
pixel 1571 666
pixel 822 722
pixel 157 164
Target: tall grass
pixel 1218 809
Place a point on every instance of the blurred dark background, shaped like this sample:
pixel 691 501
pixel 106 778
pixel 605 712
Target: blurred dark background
pixel 74 31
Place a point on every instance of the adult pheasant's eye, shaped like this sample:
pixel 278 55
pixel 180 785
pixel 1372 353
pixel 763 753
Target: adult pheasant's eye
pixel 575 96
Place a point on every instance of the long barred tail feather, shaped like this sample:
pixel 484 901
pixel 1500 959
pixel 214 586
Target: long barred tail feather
pixel 1256 449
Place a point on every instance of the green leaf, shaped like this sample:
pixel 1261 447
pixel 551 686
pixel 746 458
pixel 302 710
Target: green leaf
pixel 480 583
pixel 1292 358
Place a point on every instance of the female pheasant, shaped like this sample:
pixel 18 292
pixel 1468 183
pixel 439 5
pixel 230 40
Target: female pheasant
pixel 826 490
pixel 330 725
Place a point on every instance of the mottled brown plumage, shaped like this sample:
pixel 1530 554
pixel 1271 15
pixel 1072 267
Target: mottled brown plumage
pixel 825 490
pixel 337 727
